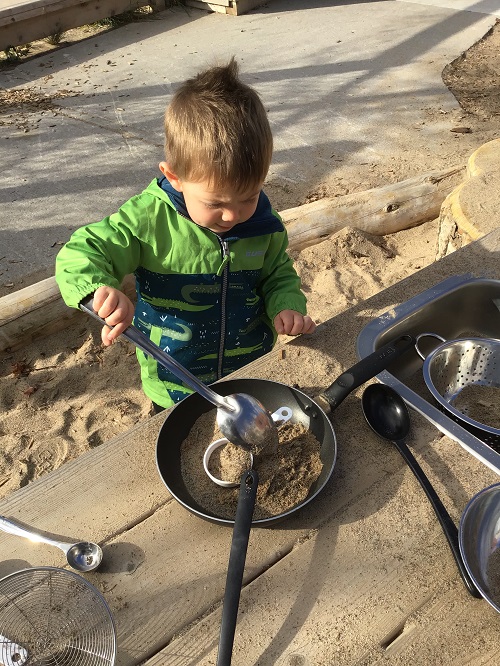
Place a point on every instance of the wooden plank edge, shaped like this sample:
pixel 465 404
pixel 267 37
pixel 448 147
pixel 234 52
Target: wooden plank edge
pixel 37 22
pixel 38 311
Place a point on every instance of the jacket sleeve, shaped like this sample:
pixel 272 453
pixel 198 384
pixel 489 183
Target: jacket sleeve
pixel 101 254
pixel 280 285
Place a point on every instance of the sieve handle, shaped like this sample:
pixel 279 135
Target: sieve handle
pixel 426 335
pixel 239 544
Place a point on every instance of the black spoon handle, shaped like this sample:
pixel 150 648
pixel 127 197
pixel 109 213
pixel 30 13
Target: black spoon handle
pixel 236 566
pixel 449 528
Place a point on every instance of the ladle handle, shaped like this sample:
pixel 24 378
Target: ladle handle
pixel 449 528
pixel 17 529
pixel 236 567
pixel 137 337
pixel 365 369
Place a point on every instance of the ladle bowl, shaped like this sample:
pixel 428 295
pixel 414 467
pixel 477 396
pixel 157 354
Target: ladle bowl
pixel 83 555
pixel 479 541
pixel 280 416
pixel 386 412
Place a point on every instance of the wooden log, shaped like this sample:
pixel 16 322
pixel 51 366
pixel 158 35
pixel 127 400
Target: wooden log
pixel 379 211
pixel 38 310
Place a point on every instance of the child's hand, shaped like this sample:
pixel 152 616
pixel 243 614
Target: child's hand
pixel 117 309
pixel 289 322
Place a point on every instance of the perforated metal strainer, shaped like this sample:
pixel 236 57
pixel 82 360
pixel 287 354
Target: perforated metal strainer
pixel 461 364
pixel 54 617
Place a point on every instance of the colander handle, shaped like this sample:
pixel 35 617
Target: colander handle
pixel 426 335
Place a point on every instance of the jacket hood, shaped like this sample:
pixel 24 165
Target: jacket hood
pixel 264 220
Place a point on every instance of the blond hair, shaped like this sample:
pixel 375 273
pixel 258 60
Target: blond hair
pixel 216 129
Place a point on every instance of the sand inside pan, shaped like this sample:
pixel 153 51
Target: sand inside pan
pixel 285 477
pixel 228 462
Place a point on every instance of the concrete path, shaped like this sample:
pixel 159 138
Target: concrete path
pixel 347 85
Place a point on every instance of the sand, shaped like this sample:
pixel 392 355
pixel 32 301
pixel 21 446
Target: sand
pixel 67 393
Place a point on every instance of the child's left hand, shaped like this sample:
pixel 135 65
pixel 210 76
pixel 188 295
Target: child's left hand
pixel 290 322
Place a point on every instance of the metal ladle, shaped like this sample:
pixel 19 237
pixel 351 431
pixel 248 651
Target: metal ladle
pixel 242 419
pixel 81 556
pixel 388 416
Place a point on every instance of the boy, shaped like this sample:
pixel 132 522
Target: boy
pixel 214 282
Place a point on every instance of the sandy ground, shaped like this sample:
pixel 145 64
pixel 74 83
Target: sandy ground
pixel 67 394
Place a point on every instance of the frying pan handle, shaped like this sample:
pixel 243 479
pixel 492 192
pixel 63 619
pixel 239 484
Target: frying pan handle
pixel 365 369
pixel 236 567
pixel 137 337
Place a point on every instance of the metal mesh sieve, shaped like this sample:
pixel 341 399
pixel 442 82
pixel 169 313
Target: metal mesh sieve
pixel 458 364
pixel 54 617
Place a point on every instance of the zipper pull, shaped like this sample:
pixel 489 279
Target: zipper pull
pixel 226 258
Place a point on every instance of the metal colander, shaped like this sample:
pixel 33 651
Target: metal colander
pixel 459 364
pixel 54 617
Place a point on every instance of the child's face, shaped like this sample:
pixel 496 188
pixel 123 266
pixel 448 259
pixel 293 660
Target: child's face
pixel 217 209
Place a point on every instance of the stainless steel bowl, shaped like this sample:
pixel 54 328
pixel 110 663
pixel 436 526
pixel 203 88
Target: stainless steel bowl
pixel 479 541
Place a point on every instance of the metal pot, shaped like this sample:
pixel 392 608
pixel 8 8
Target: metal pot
pixel 273 395
pixel 479 542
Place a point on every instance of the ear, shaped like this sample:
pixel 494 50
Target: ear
pixel 172 178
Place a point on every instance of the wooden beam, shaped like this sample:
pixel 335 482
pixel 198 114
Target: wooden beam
pixel 231 7
pixel 26 22
pixel 220 7
pixel 37 311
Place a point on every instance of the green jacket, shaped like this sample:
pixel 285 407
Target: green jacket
pixel 206 300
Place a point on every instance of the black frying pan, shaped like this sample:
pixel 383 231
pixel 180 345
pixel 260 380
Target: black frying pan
pixel 273 395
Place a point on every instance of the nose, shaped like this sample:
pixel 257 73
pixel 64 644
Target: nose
pixel 230 215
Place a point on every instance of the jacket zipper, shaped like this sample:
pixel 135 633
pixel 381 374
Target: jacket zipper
pixel 224 267
pixel 225 279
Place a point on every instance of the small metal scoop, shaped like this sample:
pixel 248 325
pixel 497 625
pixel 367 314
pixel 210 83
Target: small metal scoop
pixel 81 556
pixel 241 418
